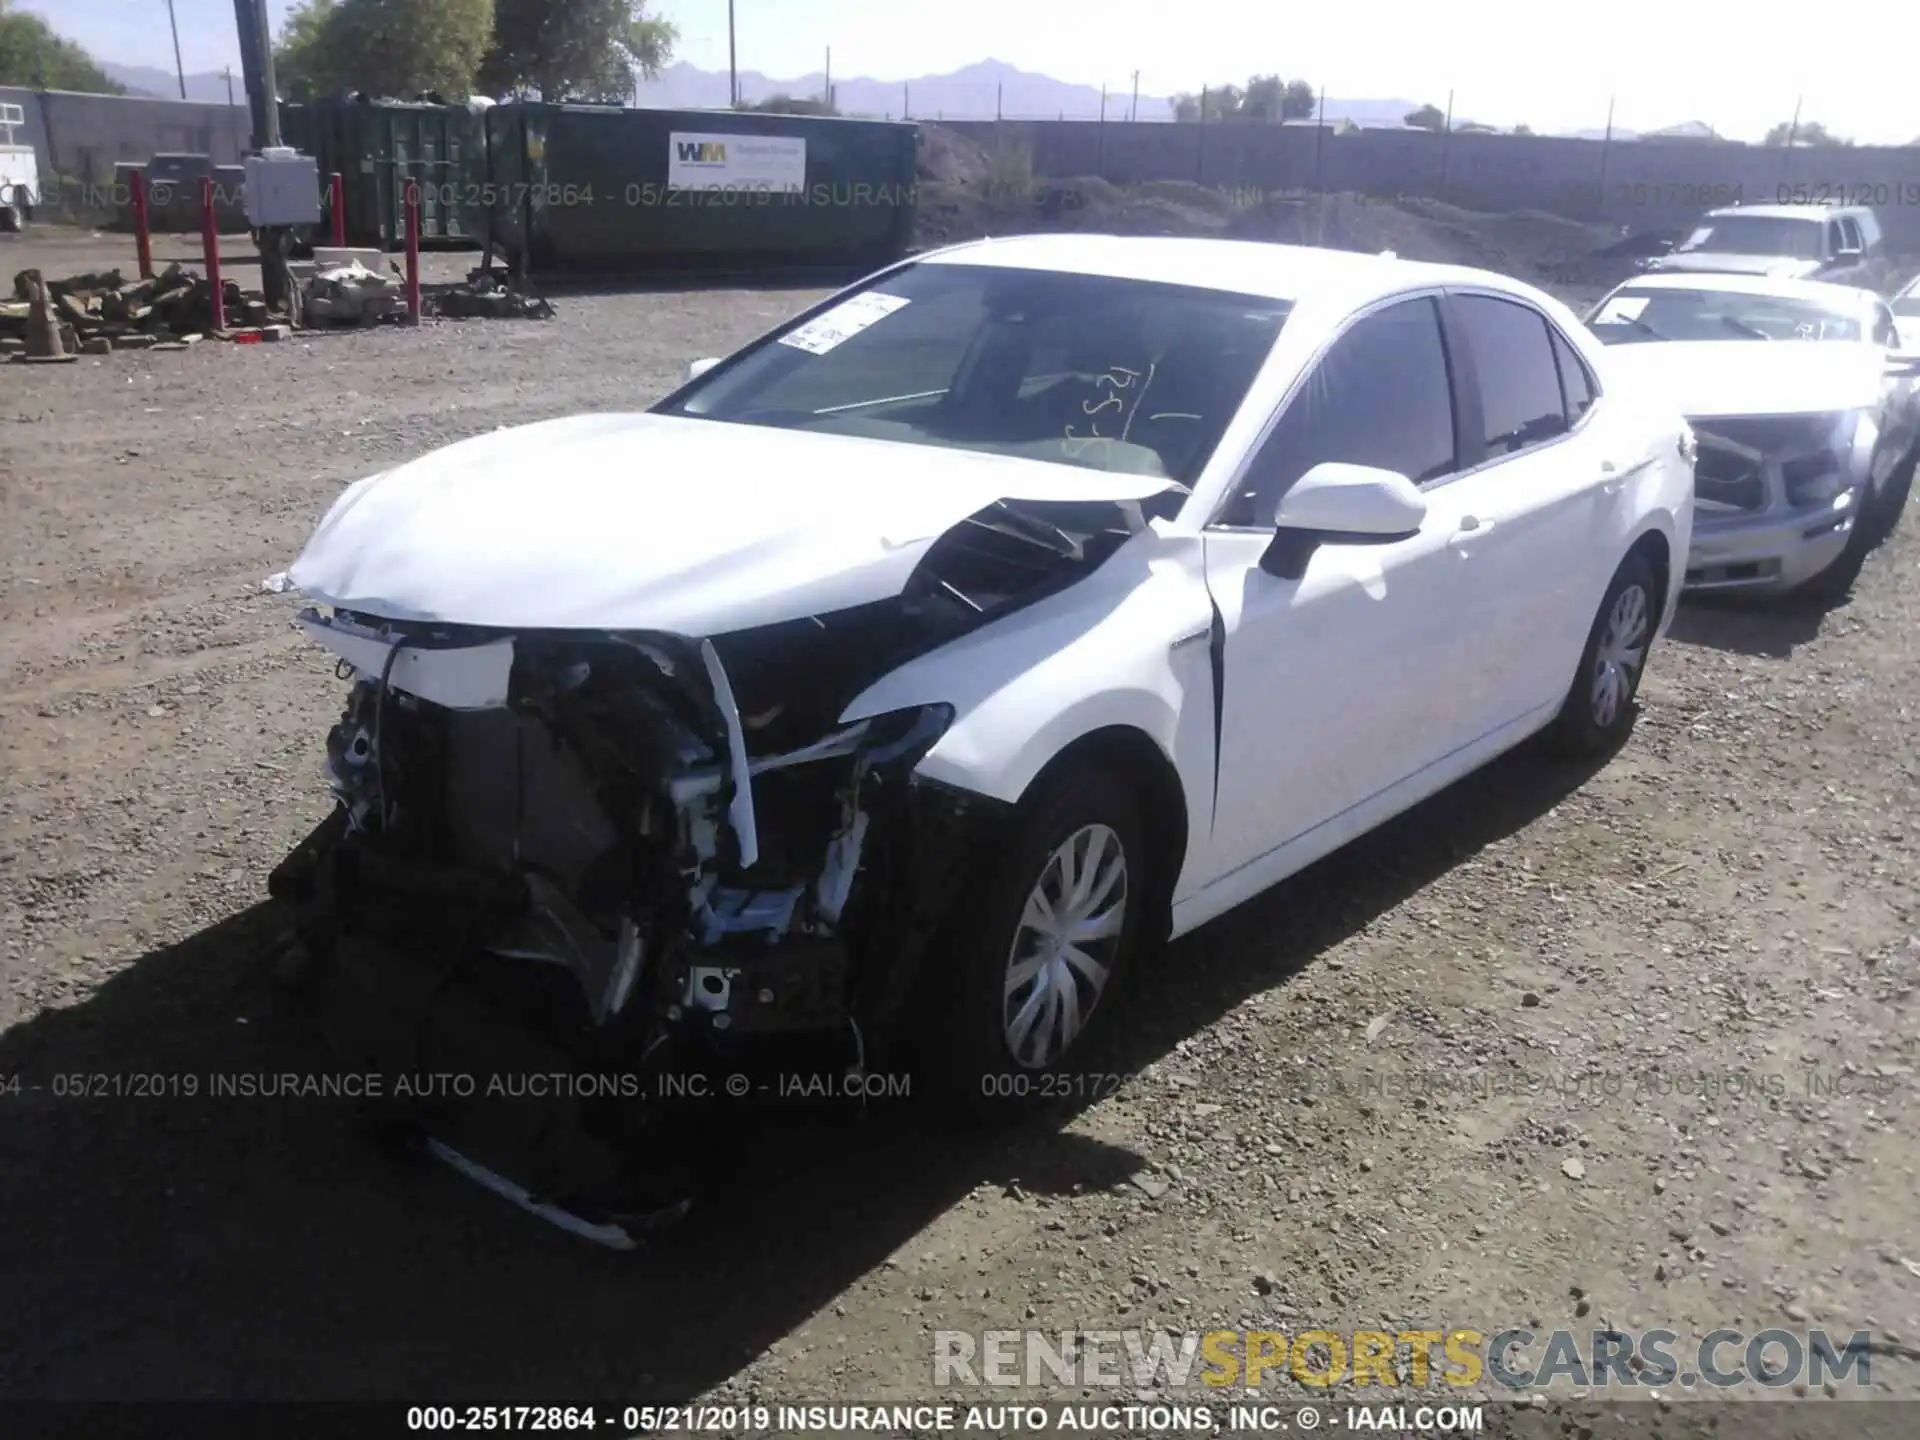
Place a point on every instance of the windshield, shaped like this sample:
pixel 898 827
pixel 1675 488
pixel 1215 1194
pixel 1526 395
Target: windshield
pixel 1757 235
pixel 1087 370
pixel 1633 314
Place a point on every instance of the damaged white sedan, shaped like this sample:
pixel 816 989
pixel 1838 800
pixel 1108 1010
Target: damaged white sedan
pixel 899 679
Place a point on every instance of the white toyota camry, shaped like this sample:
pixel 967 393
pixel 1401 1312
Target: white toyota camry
pixel 904 674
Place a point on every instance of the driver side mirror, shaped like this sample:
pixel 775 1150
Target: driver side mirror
pixel 1335 503
pixel 700 367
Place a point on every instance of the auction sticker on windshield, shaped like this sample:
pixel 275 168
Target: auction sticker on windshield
pixel 843 321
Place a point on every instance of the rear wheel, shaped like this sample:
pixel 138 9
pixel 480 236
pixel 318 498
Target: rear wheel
pixel 1056 917
pixel 1599 708
pixel 13 219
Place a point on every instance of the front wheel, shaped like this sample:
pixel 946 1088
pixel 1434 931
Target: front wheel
pixel 1599 708
pixel 13 219
pixel 1055 918
pixel 1883 516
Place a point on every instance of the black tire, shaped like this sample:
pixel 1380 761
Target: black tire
pixel 977 1071
pixel 13 219
pixel 1589 725
pixel 1883 516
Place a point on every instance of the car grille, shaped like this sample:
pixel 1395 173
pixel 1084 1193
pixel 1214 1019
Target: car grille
pixel 1728 476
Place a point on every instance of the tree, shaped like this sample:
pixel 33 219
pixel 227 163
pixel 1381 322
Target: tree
pixel 390 49
pixel 1427 117
pixel 1523 129
pixel 303 67
pixel 32 56
pixel 1807 132
pixel 574 49
pixel 791 105
pixel 1264 98
pixel 1216 102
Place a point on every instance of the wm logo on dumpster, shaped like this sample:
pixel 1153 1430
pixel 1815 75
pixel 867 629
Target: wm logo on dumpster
pixel 703 152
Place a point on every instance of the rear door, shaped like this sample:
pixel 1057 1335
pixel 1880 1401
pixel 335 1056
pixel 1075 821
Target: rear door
pixel 1535 510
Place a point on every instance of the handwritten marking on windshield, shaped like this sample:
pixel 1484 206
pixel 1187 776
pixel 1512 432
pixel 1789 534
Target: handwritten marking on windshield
pixel 1118 378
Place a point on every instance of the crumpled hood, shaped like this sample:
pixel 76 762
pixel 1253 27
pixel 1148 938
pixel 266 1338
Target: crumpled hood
pixel 655 522
pixel 1752 377
pixel 1721 262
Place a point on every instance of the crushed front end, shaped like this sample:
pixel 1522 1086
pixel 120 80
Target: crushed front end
pixel 568 870
pixel 1775 497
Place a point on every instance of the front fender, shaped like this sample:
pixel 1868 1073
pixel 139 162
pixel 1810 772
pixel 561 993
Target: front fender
pixel 1127 646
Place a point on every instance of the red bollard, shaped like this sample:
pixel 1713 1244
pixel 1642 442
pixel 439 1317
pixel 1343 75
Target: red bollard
pixel 337 204
pixel 413 253
pixel 142 225
pixel 210 244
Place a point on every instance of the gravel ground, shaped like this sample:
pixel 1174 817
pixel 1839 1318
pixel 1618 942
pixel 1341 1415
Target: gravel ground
pixel 1733 896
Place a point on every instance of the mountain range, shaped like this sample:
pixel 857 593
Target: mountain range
pixel 208 85
pixel 973 92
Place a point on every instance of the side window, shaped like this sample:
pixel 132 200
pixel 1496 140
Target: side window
pixel 1519 381
pixel 1576 381
pixel 1884 330
pixel 1836 238
pixel 1850 232
pixel 1379 396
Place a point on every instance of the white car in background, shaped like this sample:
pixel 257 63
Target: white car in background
pixel 1906 315
pixel 900 677
pixel 1805 408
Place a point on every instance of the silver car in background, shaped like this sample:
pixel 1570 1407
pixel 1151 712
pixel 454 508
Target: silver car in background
pixel 1806 410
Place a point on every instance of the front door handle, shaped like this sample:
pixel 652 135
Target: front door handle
pixel 1471 528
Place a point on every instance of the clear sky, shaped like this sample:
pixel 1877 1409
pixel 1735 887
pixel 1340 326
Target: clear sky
pixel 1546 63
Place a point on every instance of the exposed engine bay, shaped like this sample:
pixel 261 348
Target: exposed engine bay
pixel 594 853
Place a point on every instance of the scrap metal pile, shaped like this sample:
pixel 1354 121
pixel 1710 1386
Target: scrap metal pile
pixel 101 311
pixel 487 296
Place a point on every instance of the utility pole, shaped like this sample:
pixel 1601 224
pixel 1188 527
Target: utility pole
pixel 1793 134
pixel 178 69
pixel 263 100
pixel 733 67
pixel 1606 152
pixel 828 87
pixel 1133 110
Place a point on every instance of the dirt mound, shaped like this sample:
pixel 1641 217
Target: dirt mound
pixel 984 193
pixel 951 159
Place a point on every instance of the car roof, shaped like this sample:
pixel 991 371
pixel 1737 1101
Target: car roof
pixel 1244 267
pixel 1820 291
pixel 1783 212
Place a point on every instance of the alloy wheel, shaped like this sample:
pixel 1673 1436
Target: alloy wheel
pixel 1065 946
pixel 1620 654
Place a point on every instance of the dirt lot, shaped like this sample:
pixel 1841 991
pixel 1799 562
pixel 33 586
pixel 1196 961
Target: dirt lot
pixel 1733 897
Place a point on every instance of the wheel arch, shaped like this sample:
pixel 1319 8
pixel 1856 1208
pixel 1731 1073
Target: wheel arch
pixel 1658 549
pixel 1132 756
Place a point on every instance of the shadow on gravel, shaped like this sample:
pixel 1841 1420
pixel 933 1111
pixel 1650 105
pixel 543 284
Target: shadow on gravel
pixel 1764 628
pixel 160 1246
